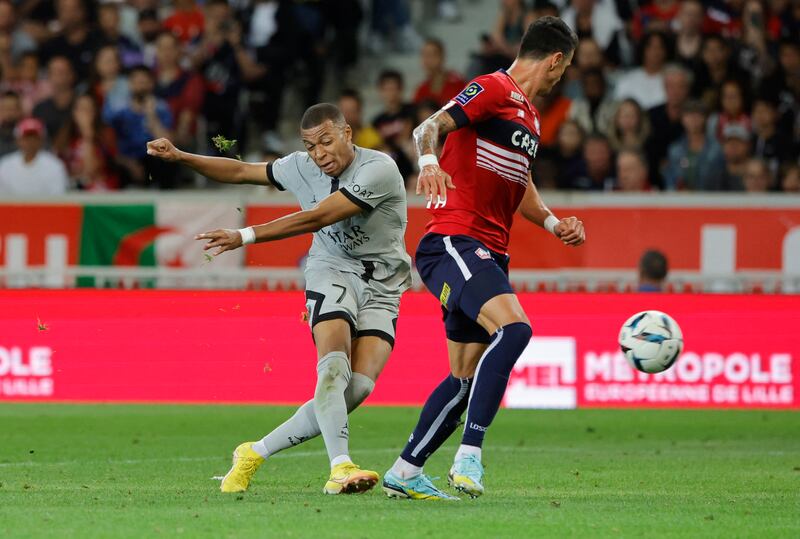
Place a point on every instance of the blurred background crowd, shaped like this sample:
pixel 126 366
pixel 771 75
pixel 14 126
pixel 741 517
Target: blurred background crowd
pixel 661 95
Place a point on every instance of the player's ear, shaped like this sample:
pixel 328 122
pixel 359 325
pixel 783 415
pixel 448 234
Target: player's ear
pixel 348 133
pixel 555 60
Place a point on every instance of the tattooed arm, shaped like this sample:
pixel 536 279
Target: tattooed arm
pixel 432 181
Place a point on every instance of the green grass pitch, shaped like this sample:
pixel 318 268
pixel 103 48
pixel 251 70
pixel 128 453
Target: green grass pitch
pixel 145 471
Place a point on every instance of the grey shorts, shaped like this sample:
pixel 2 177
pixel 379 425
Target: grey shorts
pixel 332 294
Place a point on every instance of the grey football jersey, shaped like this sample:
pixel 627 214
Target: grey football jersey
pixel 370 244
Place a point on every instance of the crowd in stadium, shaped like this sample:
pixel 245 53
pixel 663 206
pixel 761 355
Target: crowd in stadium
pixel 662 95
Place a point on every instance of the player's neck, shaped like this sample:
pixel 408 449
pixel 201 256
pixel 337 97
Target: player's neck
pixel 526 74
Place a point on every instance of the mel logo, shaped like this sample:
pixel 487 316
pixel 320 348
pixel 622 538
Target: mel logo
pixel 544 375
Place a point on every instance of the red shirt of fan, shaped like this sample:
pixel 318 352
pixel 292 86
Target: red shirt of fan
pixel 489 158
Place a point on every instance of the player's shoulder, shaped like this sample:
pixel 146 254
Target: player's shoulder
pixel 491 85
pixel 375 158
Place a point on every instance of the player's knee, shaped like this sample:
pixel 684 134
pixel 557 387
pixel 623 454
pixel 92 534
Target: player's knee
pixel 333 371
pixel 513 338
pixel 359 388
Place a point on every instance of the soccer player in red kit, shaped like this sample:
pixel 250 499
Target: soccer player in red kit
pixel 493 138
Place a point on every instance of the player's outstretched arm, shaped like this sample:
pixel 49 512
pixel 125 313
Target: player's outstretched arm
pixel 569 230
pixel 332 209
pixel 432 181
pixel 220 169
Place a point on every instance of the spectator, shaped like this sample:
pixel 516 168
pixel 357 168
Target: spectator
pixel 595 110
pixel 653 269
pixel 20 41
pixel 396 121
pixel 10 113
pixel 632 171
pixel 344 17
pixel 757 177
pixel 109 21
pixel 225 65
pixel 654 16
pixel 736 147
pixel 599 21
pixel 54 111
pixel 107 82
pixel 144 117
pixel 32 171
pixel 87 147
pixel 567 156
pixel 364 136
pixel 695 161
pixel 440 85
pixel 754 54
pixel 588 56
pixel 553 110
pixel 689 37
pixel 499 48
pixel 27 83
pixel 790 182
pixel 76 41
pixel 598 166
pixel 732 110
pixel 768 143
pixel 182 90
pixel 665 120
pixel 149 27
pixel 646 84
pixel 186 22
pixel 714 70
pixel 630 127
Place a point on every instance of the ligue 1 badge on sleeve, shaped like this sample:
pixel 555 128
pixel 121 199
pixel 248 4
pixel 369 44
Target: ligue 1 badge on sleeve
pixel 469 93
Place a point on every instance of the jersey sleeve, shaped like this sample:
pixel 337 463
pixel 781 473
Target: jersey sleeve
pixel 284 173
pixel 377 180
pixel 479 100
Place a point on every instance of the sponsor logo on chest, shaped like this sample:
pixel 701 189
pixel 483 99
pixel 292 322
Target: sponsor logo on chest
pixel 525 142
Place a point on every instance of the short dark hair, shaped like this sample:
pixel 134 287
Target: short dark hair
pixel 140 68
pixel 390 75
pixel 438 43
pixel 351 93
pixel 321 113
pixel 546 36
pixel 653 265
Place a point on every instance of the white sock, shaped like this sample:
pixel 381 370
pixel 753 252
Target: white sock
pixel 405 470
pixel 261 448
pixel 464 450
pixel 341 459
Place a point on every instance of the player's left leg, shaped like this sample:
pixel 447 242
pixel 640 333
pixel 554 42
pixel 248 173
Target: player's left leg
pixel 503 317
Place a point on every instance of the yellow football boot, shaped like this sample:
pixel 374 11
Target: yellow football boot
pixel 347 478
pixel 245 463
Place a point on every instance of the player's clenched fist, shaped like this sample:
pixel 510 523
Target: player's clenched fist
pixel 433 182
pixel 570 231
pixel 163 149
pixel 225 238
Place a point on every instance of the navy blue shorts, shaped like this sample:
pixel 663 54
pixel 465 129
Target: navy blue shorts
pixel 463 274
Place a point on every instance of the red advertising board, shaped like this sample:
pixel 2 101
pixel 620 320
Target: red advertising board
pixel 760 238
pixel 252 347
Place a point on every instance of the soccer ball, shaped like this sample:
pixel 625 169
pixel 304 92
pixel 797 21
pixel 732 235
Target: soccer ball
pixel 651 341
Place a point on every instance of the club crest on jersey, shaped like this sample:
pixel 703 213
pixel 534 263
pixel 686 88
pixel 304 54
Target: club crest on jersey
pixel 468 93
pixel 516 96
pixel 483 253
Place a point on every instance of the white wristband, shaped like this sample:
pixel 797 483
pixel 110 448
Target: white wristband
pixel 550 224
pixel 427 159
pixel 248 235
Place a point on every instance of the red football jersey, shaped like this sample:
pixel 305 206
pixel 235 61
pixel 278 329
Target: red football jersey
pixel 489 158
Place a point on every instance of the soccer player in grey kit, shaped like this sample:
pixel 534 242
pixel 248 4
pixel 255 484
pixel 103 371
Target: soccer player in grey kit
pixel 353 200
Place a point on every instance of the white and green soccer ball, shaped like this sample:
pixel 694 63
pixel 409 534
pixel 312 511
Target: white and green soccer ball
pixel 651 341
